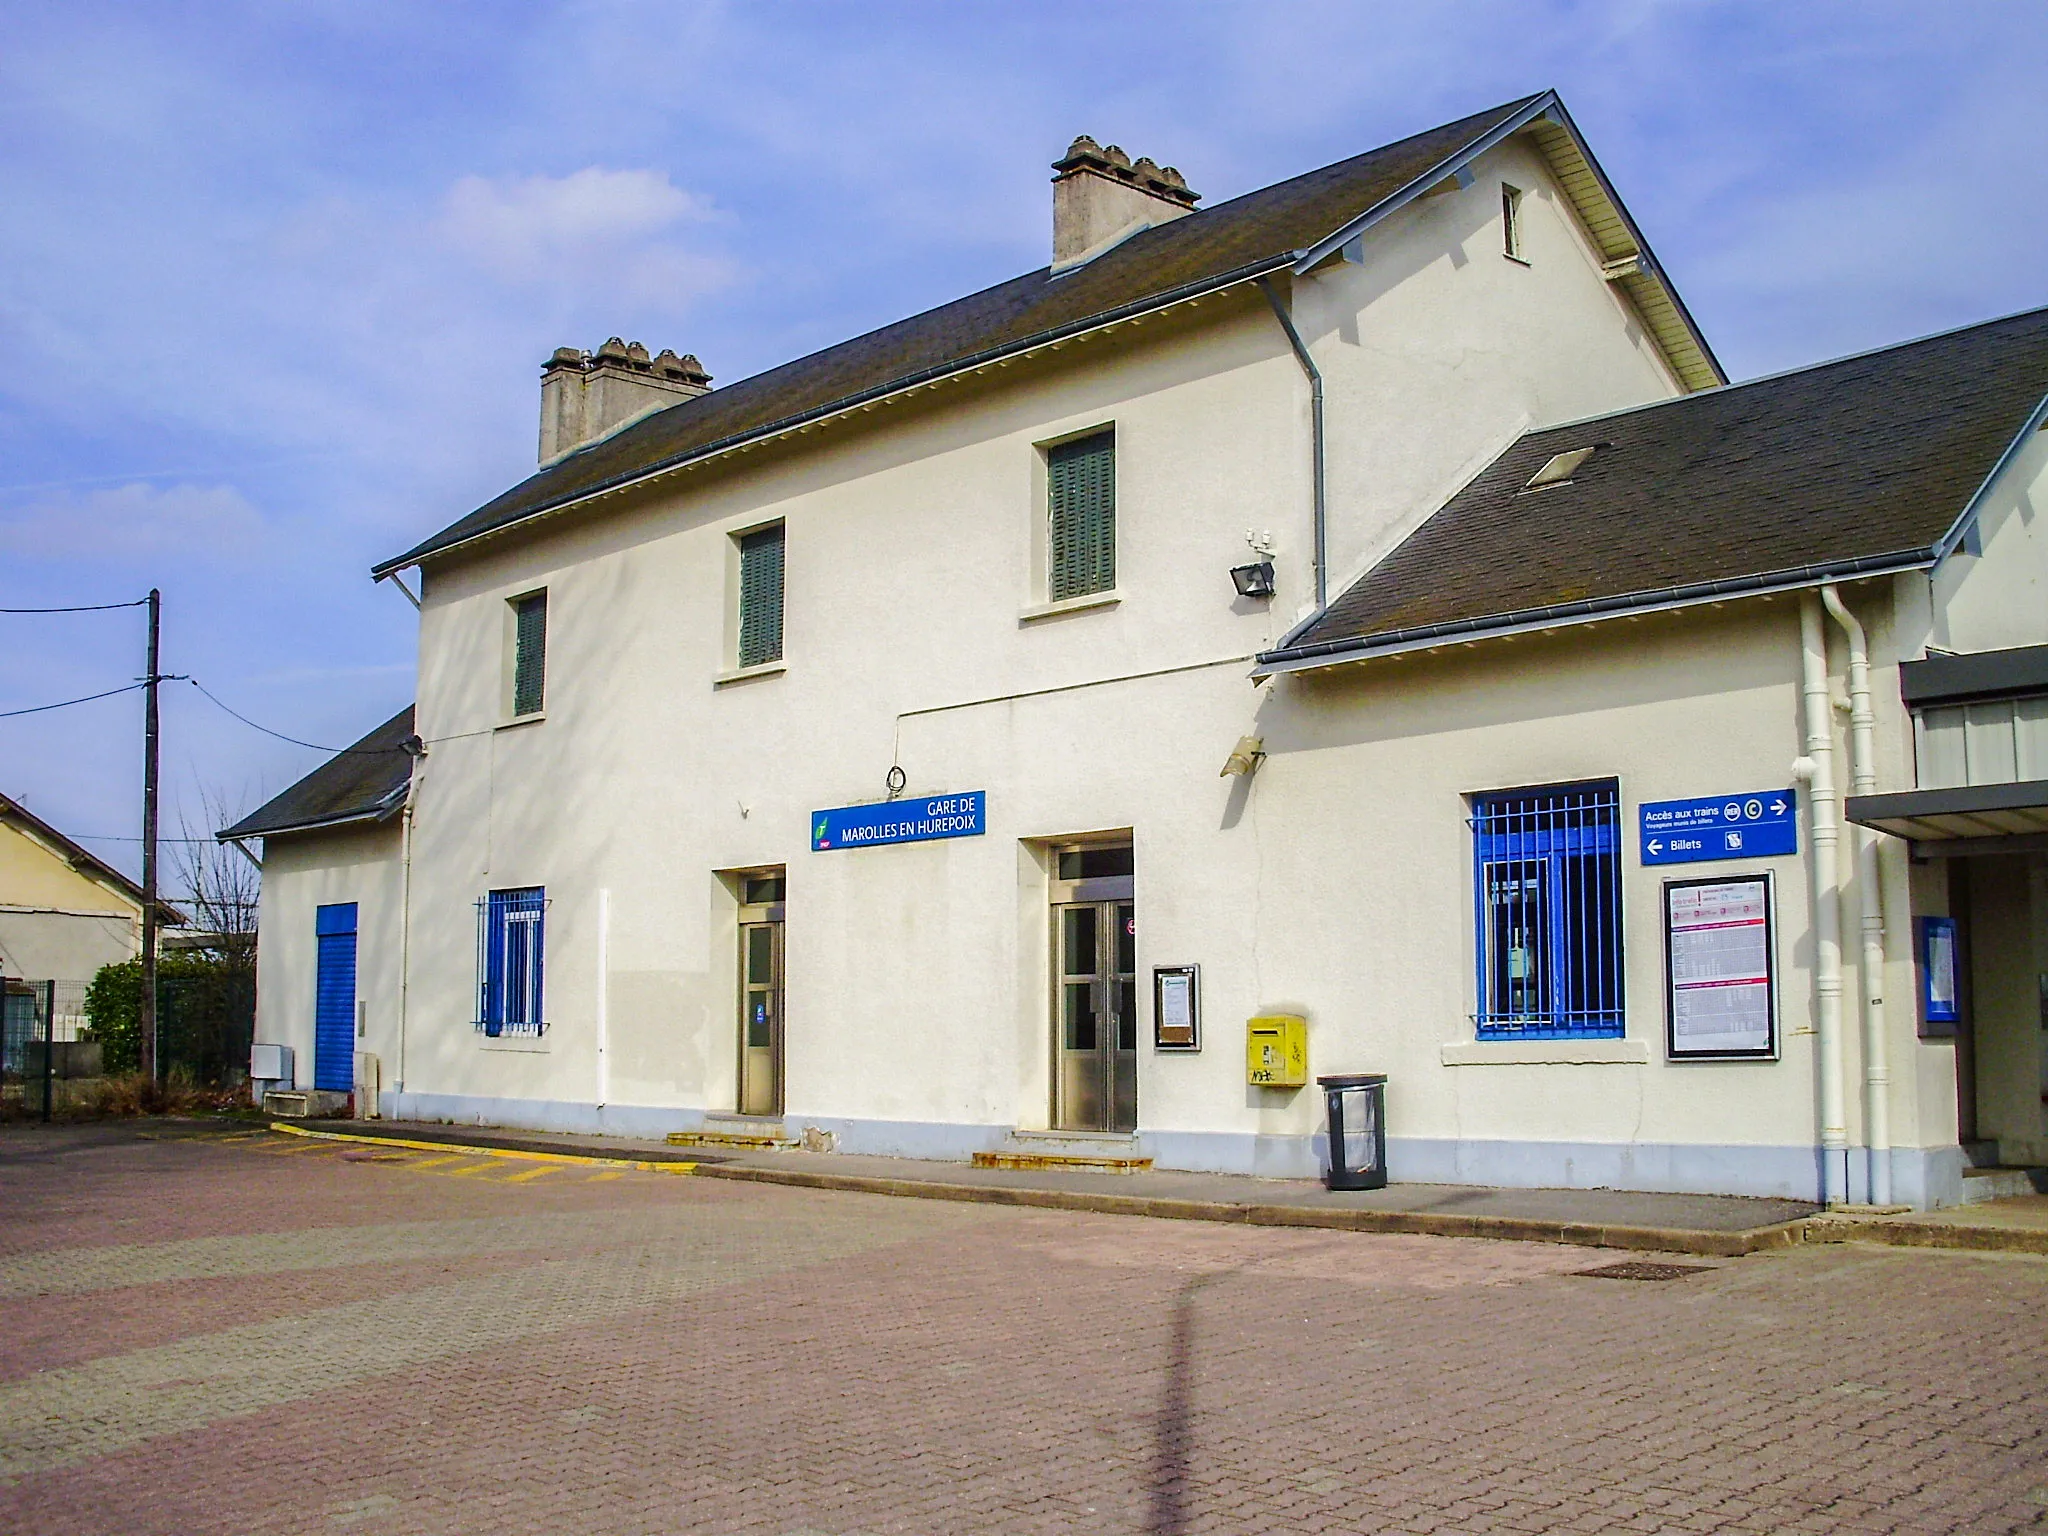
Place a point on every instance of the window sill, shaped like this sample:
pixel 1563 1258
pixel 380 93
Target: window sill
pixel 1532 1053
pixel 518 720
pixel 530 1045
pixel 1081 604
pixel 748 674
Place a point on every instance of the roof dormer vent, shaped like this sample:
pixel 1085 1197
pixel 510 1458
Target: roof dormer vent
pixel 1559 468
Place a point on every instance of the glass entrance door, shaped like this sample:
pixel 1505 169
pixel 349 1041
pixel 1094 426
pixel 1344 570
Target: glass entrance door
pixel 760 992
pixel 761 1019
pixel 1095 1047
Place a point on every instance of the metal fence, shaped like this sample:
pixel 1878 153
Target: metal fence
pixel 205 1025
pixel 41 1028
pixel 26 1013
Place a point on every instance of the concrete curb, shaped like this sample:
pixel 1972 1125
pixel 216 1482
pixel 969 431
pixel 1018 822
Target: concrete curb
pixel 1515 1229
pixel 1926 1234
pixel 1725 1245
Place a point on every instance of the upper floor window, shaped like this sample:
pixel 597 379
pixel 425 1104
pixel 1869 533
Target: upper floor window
pixel 1511 222
pixel 1547 863
pixel 1081 513
pixel 511 945
pixel 760 596
pixel 529 653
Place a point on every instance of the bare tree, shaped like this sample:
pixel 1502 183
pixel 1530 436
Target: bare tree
pixel 221 883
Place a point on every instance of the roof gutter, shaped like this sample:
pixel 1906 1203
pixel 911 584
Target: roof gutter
pixel 1394 642
pixel 389 806
pixel 1945 546
pixel 1546 105
pixel 1055 336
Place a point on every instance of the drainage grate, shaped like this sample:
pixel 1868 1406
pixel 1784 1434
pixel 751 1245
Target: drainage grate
pixel 1639 1269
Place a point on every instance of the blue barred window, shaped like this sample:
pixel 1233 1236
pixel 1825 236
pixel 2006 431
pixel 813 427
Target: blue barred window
pixel 511 941
pixel 1547 870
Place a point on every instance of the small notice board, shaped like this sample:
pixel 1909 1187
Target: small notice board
pixel 1176 1007
pixel 1720 976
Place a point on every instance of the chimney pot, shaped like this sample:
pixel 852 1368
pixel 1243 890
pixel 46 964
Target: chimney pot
pixel 1099 197
pixel 584 398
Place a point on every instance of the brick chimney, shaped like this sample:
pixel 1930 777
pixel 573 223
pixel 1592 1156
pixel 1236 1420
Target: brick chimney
pixel 1099 197
pixel 585 397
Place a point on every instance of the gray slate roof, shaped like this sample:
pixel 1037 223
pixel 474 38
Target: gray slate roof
pixel 363 782
pixel 1861 464
pixel 1261 231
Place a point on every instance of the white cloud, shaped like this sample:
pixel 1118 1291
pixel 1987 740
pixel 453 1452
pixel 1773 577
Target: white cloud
pixel 594 226
pixel 134 522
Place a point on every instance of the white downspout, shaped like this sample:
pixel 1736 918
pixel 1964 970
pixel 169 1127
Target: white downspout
pixel 1877 1076
pixel 604 1000
pixel 404 927
pixel 1818 769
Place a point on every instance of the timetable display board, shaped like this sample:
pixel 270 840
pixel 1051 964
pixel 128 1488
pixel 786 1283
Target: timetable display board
pixel 1720 970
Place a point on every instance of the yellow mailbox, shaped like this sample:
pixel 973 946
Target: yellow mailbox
pixel 1276 1051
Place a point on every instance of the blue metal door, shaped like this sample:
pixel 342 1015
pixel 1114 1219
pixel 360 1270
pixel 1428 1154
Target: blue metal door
pixel 334 1004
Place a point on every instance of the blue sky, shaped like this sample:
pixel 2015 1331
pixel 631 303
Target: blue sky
pixel 276 281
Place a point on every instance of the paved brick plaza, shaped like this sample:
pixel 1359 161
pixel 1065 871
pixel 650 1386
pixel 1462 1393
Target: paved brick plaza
pixel 262 1334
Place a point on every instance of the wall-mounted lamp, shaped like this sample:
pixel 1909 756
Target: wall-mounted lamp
pixel 1253 580
pixel 1244 758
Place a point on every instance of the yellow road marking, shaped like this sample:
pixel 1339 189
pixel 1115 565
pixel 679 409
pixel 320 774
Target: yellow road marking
pixel 599 1177
pixel 530 1175
pixel 565 1159
pixel 436 1162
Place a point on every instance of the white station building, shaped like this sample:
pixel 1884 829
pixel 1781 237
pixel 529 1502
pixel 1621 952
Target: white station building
pixel 1363 602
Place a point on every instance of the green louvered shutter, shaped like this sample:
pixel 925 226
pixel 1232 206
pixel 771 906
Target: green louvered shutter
pixel 530 660
pixel 761 596
pixel 1082 546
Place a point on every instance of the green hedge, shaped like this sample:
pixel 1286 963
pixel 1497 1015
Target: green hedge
pixel 205 1009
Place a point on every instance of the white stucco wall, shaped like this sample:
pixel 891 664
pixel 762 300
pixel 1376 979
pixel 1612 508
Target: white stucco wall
pixel 301 873
pixel 1993 592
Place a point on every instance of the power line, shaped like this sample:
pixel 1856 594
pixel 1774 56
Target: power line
pixel 121 837
pixel 280 735
pixel 40 708
pixel 84 608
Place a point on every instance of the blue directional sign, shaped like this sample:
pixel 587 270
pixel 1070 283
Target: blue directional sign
pixel 900 821
pixel 1761 823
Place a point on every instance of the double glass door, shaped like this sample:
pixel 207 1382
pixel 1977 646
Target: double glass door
pixel 1095 1073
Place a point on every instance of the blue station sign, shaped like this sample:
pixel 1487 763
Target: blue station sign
pixel 900 821
pixel 1754 824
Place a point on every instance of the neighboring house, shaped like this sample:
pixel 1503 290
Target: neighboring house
pixel 838 751
pixel 64 913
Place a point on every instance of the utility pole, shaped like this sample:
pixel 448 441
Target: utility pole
pixel 149 755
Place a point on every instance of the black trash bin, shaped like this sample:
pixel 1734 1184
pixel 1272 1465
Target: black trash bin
pixel 1357 1105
